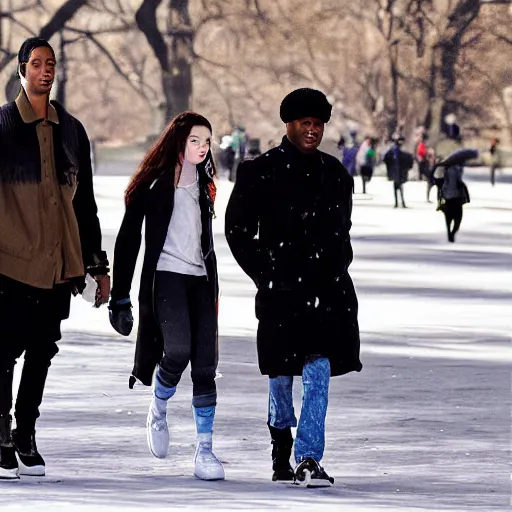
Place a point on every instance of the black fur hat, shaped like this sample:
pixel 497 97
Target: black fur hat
pixel 305 103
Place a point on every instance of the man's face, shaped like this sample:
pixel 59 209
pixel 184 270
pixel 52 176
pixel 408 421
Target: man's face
pixel 40 71
pixel 306 133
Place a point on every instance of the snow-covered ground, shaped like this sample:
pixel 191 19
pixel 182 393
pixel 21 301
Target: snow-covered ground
pixel 424 426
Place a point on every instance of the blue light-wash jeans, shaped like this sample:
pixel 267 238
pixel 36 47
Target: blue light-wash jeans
pixel 310 438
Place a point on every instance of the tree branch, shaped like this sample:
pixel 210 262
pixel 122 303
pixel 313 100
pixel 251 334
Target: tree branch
pixel 61 17
pixel 27 29
pixel 145 17
pixel 90 36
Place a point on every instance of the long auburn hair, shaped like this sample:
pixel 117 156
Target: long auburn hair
pixel 167 152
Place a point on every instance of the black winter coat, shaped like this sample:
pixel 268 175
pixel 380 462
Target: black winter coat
pixel 306 303
pixel 398 164
pixel 154 203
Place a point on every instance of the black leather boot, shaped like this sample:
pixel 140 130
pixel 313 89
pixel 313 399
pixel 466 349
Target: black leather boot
pixel 282 443
pixel 8 463
pixel 31 462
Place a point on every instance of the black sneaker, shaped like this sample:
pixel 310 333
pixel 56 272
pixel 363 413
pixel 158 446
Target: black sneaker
pixel 8 463
pixel 309 473
pixel 282 443
pixel 285 475
pixel 30 461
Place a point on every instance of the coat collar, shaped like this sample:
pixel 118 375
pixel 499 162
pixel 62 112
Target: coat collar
pixel 27 112
pixel 307 159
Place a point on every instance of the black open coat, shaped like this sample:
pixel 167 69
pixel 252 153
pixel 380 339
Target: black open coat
pixel 154 203
pixel 300 208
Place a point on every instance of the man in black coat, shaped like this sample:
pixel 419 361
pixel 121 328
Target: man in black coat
pixel 298 200
pixel 49 238
pixel 398 164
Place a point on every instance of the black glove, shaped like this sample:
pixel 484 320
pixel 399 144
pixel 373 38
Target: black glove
pixel 121 317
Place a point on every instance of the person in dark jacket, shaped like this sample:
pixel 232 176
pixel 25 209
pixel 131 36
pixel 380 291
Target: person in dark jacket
pixel 398 163
pixel 50 238
pixel 453 196
pixel 452 191
pixel 369 163
pixel 298 200
pixel 174 191
pixel 349 154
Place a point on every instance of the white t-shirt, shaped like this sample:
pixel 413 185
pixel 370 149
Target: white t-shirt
pixel 182 249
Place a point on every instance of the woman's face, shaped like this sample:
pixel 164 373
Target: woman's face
pixel 198 144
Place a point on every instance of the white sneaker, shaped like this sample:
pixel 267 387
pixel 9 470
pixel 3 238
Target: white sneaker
pixel 206 465
pixel 157 429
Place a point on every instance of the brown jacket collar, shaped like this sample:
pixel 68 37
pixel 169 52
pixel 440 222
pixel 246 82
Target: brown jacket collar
pixel 27 112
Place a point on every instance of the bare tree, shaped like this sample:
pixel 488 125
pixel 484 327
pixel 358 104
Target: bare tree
pixel 56 23
pixel 445 55
pixel 172 49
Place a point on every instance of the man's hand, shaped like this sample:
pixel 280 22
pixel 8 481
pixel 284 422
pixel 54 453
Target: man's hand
pixel 103 290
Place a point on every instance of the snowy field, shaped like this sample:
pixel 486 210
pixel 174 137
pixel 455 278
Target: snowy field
pixel 425 426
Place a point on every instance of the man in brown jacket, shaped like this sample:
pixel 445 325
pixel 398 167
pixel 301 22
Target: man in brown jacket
pixel 50 238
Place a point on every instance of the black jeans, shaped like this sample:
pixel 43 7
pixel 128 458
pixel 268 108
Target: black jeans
pixel 30 321
pixel 493 175
pixel 398 187
pixel 453 213
pixel 187 315
pixel 423 170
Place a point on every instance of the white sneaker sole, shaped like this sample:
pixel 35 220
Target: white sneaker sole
pixel 312 483
pixel 210 477
pixel 315 484
pixel 9 474
pixel 30 470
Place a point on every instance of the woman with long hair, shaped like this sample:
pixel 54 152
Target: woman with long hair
pixel 174 191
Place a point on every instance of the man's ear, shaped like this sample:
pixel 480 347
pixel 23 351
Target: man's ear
pixel 23 68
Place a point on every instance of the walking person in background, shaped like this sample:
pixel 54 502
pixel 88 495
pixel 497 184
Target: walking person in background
pixel 398 163
pixel 431 162
pixel 369 165
pixel 288 226
pixel 494 151
pixel 450 127
pixel 421 157
pixel 50 237
pixel 341 146
pixel 349 154
pixel 174 191
pixel 361 154
pixel 452 191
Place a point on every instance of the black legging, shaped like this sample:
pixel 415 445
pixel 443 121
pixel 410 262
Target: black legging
pixel 453 213
pixel 186 312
